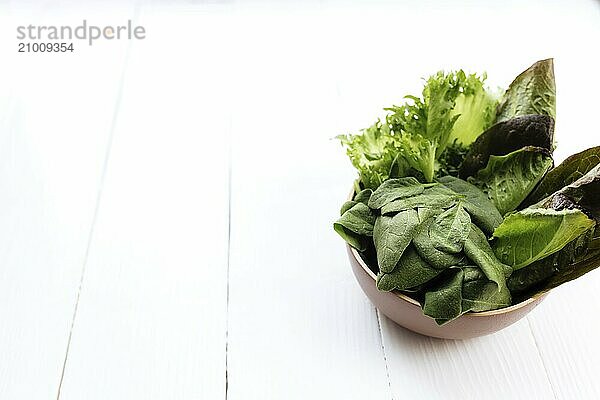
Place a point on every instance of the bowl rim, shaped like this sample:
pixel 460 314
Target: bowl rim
pixel 414 302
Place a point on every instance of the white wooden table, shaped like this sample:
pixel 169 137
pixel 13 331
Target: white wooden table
pixel 166 204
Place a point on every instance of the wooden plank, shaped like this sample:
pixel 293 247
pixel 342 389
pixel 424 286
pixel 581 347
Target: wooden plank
pixel 151 317
pixel 505 365
pixel 299 327
pixel 566 331
pixel 55 121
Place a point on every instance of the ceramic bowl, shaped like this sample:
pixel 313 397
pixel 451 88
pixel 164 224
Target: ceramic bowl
pixel 407 312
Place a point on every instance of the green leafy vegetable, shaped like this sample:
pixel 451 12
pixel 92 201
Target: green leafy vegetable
pixel 479 251
pixel 354 224
pixel 392 235
pixel 480 294
pixel 569 171
pixel 426 232
pixel 476 107
pixel 444 302
pixel 506 137
pixel 451 229
pixel 433 197
pixel 532 92
pixel 394 189
pixel 410 272
pixel 372 153
pixel 508 179
pixel 482 211
pixel 363 196
pixel 425 246
pixel 583 194
pixel 534 233
pixel 416 134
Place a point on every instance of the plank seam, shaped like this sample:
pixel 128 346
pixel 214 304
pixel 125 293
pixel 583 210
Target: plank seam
pixel 97 205
pixel 387 369
pixel 535 341
pixel 229 156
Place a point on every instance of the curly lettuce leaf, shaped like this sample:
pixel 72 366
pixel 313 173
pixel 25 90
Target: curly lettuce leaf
pixel 453 109
pixel 373 152
pixel 476 107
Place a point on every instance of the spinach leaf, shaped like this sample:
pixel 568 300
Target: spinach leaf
pixel 363 196
pixel 569 171
pixel 478 249
pixel 506 137
pixel 478 205
pixel 411 271
pixel 394 189
pixel 532 92
pixel 508 179
pixel 347 205
pixel 450 229
pixel 444 302
pixel 480 294
pixel 425 247
pixel 433 197
pixel 355 224
pixel 535 233
pixel 392 235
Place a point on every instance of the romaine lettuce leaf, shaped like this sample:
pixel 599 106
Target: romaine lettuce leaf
pixel 535 233
pixel 505 137
pixel 532 92
pixel 507 180
pixel 570 170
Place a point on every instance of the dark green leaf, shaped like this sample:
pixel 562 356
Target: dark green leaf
pixel 347 205
pixel 363 196
pixel 478 205
pixel 507 180
pixel 480 294
pixel 574 271
pixel 392 235
pixel 425 247
pixel 478 249
pixel 411 271
pixel 575 259
pixel 569 171
pixel 583 194
pixel 444 302
pixel 394 189
pixel 433 197
pixel 450 229
pixel 355 224
pixel 506 137
pixel 532 92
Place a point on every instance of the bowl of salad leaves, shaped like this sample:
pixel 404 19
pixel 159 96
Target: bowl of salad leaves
pixel 460 222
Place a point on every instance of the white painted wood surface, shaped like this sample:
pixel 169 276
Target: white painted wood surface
pixel 191 191
pixel 151 319
pixel 55 121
